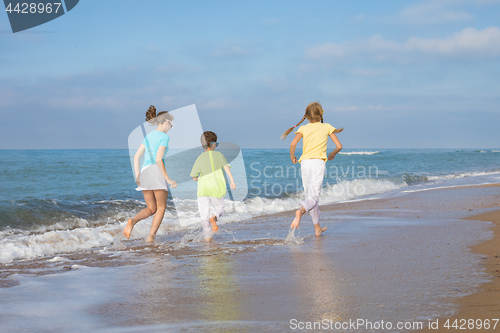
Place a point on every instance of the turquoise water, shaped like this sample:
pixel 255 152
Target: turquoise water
pixel 44 191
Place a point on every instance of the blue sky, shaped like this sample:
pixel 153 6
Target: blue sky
pixel 394 74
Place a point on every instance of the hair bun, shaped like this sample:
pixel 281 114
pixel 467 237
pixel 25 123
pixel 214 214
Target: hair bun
pixel 151 113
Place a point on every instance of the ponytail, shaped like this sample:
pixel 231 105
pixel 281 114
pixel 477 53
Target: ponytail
pixel 151 113
pixel 154 118
pixel 283 136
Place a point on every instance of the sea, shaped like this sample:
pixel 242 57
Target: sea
pixel 67 201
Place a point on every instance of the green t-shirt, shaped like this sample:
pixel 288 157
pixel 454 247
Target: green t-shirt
pixel 208 169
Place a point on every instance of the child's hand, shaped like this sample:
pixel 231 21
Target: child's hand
pixel 138 181
pixel 172 183
pixel 331 156
pixel 233 185
pixel 294 160
pixel 338 130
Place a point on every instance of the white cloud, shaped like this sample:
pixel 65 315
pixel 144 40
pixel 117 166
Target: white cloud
pixel 84 102
pixel 482 2
pixel 469 42
pixel 326 50
pixel 438 11
pixel 432 12
pixel 373 44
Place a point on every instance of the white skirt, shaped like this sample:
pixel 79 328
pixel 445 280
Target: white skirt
pixel 152 179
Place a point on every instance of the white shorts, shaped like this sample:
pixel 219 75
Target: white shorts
pixel 152 179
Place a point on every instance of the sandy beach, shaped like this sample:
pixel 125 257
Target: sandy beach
pixel 485 304
pixel 404 259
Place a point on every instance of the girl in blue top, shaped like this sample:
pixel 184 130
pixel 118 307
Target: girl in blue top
pixel 152 179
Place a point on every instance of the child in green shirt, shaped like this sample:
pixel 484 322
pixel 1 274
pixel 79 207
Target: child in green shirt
pixel 207 171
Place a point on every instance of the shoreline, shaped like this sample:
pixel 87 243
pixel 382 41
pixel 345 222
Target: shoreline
pixel 483 304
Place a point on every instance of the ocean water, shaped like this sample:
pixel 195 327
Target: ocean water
pixel 65 201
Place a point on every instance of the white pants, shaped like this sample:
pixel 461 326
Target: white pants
pixel 313 172
pixel 204 209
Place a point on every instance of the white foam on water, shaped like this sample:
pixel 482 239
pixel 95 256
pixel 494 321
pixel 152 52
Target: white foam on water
pixel 62 225
pixel 358 152
pixel 21 246
pixel 75 266
pixel 291 239
pixel 58 259
pixel 463 175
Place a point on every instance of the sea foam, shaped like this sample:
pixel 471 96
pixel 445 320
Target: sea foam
pixel 22 246
pixel 358 152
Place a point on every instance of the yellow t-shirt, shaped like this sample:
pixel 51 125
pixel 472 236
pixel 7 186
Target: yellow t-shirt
pixel 315 137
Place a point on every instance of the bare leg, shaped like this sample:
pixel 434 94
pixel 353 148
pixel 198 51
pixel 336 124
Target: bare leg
pixel 318 229
pixel 315 218
pixel 149 197
pixel 219 206
pixel 298 216
pixel 161 205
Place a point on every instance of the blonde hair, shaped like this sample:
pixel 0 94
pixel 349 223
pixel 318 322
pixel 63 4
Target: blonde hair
pixel 314 112
pixel 156 119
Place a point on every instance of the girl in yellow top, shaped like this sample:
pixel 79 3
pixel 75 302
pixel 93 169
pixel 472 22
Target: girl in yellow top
pixel 313 159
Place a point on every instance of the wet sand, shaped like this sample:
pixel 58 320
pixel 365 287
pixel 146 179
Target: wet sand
pixel 396 259
pixel 485 304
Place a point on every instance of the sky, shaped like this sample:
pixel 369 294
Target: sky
pixel 394 74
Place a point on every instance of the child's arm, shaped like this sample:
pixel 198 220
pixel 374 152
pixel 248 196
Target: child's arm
pixel 137 162
pixel 293 145
pixel 161 166
pixel 195 178
pixel 230 175
pixel 338 147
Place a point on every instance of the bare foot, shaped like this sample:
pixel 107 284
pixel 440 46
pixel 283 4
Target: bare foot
pixel 318 229
pixel 296 220
pixel 214 224
pixel 151 239
pixel 208 239
pixel 128 228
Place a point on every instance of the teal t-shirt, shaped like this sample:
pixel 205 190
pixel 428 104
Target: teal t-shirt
pixel 152 142
pixel 211 181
